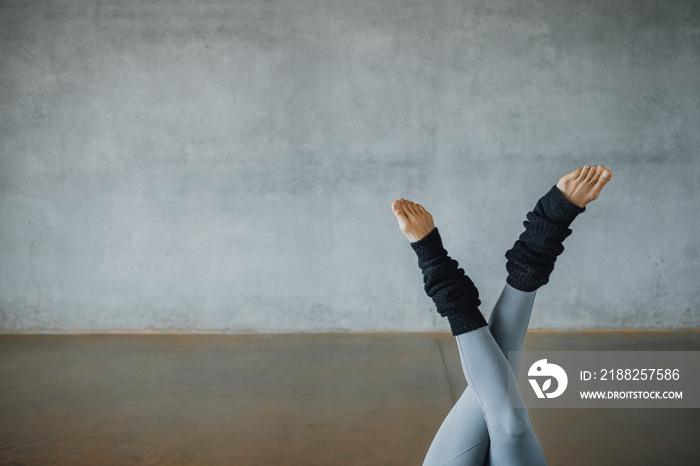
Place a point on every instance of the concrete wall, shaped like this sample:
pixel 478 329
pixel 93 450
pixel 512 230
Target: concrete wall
pixel 229 165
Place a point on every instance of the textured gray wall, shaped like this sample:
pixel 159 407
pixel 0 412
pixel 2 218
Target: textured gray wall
pixel 229 165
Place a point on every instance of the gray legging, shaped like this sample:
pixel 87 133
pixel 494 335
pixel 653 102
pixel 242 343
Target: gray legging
pixel 486 425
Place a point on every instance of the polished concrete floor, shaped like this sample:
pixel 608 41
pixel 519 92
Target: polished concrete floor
pixel 327 399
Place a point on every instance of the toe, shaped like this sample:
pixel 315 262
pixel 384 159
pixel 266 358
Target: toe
pixel 584 172
pixel 423 210
pixel 396 207
pixel 605 176
pixel 593 174
pixel 408 207
pixel 599 172
pixel 571 176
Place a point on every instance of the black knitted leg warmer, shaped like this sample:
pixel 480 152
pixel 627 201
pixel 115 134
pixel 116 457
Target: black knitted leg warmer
pixel 531 260
pixel 452 291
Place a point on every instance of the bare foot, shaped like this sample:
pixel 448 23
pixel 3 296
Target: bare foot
pixel 414 221
pixel 584 184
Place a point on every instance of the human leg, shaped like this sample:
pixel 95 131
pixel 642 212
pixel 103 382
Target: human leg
pixel 509 321
pixel 463 437
pixel 485 366
pixel 532 258
pixel 457 299
pixel 490 377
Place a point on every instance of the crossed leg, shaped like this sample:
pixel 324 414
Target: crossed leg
pixel 482 427
pixel 463 437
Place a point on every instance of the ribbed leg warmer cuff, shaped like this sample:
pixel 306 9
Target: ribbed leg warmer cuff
pixel 531 260
pixel 453 293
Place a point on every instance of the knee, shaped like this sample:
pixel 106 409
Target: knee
pixel 514 424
